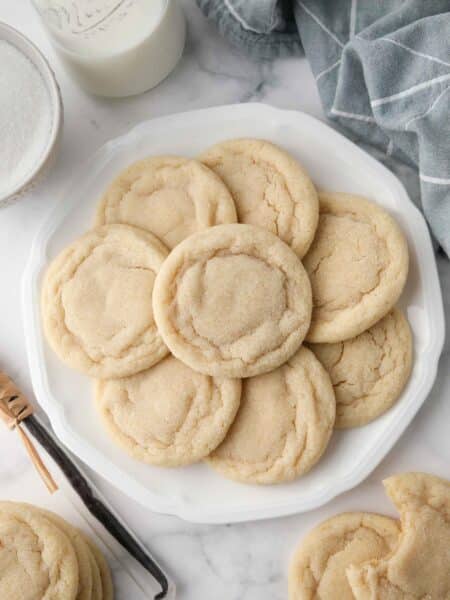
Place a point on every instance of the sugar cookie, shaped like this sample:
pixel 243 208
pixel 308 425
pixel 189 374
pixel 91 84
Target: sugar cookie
pixel 105 585
pixel 97 586
pixel 232 301
pixel 82 552
pixel 357 264
pixel 419 567
pixel 283 426
pixel 96 302
pixel 168 415
pixel 37 560
pixel 269 187
pixel 170 196
pixel 368 371
pixel 317 569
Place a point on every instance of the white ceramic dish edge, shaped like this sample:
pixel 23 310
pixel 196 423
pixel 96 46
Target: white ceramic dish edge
pixel 175 505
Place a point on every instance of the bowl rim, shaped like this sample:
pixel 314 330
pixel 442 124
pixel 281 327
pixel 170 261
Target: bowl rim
pixel 32 52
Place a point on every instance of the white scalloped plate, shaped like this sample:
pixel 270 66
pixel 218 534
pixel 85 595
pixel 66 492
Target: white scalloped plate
pixel 197 493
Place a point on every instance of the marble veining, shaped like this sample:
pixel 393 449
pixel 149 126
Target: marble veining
pixel 235 562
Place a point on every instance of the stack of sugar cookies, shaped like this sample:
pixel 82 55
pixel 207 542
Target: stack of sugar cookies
pixel 42 556
pixel 190 300
pixel 366 556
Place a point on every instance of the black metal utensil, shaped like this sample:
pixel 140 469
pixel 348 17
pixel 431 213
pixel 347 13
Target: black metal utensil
pixel 95 506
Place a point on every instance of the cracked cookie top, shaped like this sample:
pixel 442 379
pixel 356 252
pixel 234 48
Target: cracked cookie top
pixel 82 552
pixel 369 371
pixel 168 415
pixel 317 569
pixel 418 568
pixel 269 187
pixel 170 196
pixel 283 425
pixel 357 264
pixel 232 301
pixel 37 559
pixel 96 302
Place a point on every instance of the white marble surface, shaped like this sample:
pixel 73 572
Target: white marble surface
pixel 237 562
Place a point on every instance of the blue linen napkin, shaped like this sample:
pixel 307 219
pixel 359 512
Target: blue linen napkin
pixel 383 73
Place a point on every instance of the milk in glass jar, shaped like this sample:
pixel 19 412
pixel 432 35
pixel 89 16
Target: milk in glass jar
pixel 116 47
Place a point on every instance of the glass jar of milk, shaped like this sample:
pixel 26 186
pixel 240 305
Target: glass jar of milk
pixel 116 47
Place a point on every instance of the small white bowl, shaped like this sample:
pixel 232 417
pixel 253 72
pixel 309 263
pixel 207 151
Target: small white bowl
pixel 22 43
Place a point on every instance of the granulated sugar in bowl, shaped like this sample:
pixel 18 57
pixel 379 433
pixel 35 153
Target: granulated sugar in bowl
pixel 30 114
